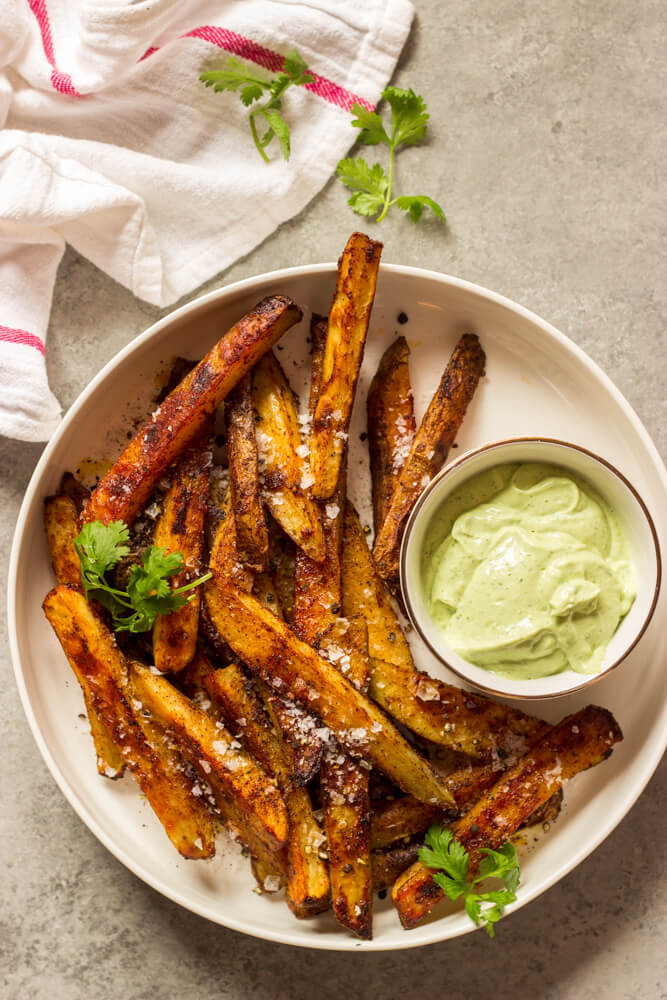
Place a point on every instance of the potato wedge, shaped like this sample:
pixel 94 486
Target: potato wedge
pixel 388 865
pixel 180 528
pixel 270 649
pixel 252 536
pixel 429 450
pixel 182 416
pixel 243 791
pixel 308 888
pixel 391 424
pixel 97 661
pixel 578 742
pixel 439 712
pixel 346 338
pixel 224 561
pixel 61 521
pixel 282 456
pixel 282 557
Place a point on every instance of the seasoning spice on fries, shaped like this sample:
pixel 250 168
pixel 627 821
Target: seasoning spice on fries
pixel 277 693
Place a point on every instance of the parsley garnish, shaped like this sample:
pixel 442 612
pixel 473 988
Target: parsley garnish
pixel 235 76
pixel 372 187
pixel 441 851
pixel 100 547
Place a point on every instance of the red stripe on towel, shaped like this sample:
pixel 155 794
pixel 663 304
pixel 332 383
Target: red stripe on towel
pixel 11 336
pixel 62 82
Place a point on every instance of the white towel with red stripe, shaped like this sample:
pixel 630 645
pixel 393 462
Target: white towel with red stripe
pixel 109 142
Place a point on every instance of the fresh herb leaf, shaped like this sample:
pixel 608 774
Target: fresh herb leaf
pixel 451 861
pixel 100 547
pixel 409 124
pixel 236 77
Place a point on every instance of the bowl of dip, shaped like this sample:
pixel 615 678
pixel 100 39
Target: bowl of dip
pixel 530 567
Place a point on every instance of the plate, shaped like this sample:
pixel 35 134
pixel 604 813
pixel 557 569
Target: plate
pixel 538 383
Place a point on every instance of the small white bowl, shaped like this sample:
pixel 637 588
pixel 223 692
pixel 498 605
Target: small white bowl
pixel 612 486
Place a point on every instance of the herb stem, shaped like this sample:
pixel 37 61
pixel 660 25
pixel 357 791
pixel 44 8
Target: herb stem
pixel 253 129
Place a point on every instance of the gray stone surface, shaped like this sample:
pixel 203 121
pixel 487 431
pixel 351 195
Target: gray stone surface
pixel 547 155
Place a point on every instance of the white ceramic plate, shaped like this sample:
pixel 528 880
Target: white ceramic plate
pixel 538 383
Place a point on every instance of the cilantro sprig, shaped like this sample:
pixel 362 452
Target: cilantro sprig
pixel 371 186
pixel 148 594
pixel 236 77
pixel 441 851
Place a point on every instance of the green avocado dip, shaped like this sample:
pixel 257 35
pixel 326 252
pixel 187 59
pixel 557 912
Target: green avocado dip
pixel 527 572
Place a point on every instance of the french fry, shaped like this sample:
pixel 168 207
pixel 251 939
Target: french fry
pixel 180 528
pixel 439 712
pixel 391 424
pixel 429 450
pixel 182 416
pixel 346 338
pixel 61 521
pixel 224 561
pixel 301 731
pixel 243 791
pixel 97 661
pixel 308 888
pixel 285 472
pixel 270 649
pixel 252 537
pixel 578 742
pixel 387 865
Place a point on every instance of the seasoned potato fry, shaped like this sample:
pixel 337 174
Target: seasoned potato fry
pixel 343 354
pixel 439 712
pixel 97 661
pixel 397 819
pixel 183 415
pixel 237 781
pixel 285 472
pixel 281 659
pixel 180 528
pixel 391 424
pixel 252 537
pixel 308 889
pixel 61 521
pixel 429 449
pixel 578 742
pixel 388 865
pixel 224 561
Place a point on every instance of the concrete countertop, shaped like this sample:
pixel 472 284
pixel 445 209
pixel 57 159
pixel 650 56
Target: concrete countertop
pixel 546 154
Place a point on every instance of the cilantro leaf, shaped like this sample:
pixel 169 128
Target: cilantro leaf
pixel 371 125
pixel 441 851
pixel 148 594
pixel 409 124
pixel 414 204
pixel 410 117
pixel 236 77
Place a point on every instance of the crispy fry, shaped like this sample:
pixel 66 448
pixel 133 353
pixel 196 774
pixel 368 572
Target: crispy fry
pixel 97 660
pixel 346 339
pixel 224 561
pixel 274 652
pixel 252 537
pixel 391 424
pixel 388 865
pixel 180 528
pixel 308 889
pixel 75 490
pixel 400 818
pixel 439 712
pixel 429 449
pixel 285 490
pixel 183 414
pixel 302 732
pixel 243 791
pixel 578 742
pixel 62 526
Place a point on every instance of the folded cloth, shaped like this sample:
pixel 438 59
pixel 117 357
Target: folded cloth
pixel 111 143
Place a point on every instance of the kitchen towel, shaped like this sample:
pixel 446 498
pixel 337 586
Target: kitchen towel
pixel 109 142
